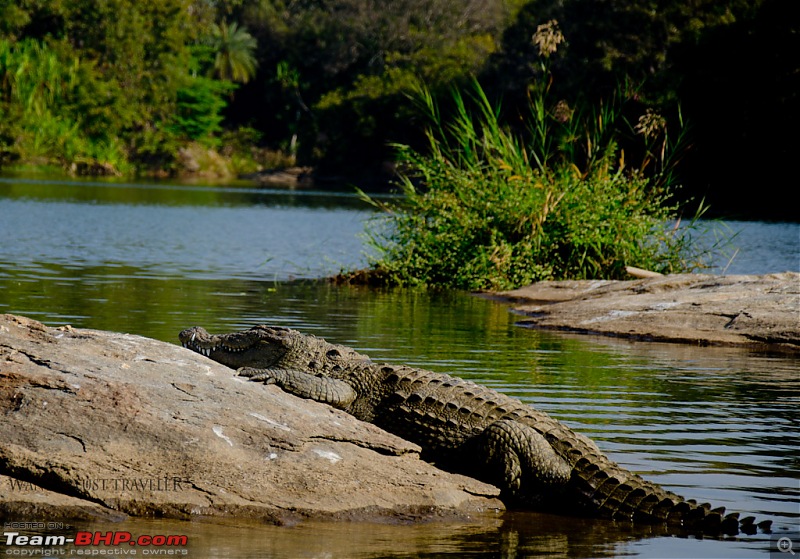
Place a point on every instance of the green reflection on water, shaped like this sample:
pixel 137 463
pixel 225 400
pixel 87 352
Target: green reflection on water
pixel 169 194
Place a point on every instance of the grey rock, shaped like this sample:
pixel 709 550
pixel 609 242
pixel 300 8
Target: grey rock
pixel 102 424
pixel 756 311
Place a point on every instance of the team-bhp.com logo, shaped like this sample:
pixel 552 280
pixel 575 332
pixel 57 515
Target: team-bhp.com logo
pixel 89 543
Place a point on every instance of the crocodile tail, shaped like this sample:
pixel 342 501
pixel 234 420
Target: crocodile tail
pixel 616 493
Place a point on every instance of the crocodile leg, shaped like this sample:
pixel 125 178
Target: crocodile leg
pixel 334 392
pixel 521 462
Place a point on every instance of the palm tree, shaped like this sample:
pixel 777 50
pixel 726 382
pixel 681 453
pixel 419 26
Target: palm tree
pixel 234 47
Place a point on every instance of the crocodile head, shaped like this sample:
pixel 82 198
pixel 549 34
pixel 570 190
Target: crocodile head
pixel 258 347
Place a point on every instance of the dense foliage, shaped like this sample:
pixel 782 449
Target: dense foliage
pixel 102 85
pixel 325 81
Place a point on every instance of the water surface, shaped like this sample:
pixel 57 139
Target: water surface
pixel 718 425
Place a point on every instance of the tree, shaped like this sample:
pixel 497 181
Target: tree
pixel 355 59
pixel 610 40
pixel 199 107
pixel 235 47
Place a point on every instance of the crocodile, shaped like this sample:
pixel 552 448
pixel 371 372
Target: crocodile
pixel 537 462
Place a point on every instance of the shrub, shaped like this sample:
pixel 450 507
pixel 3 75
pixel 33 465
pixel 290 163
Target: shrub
pixel 199 110
pixel 488 208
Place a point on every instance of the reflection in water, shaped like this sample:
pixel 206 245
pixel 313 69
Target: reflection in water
pixel 710 423
pixel 511 535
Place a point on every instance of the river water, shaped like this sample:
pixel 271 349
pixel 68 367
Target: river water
pixel 718 425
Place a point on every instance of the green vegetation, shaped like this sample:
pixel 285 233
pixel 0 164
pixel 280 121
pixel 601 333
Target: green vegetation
pixel 325 82
pixel 104 87
pixel 125 86
pixel 234 49
pixel 485 207
pixel 48 99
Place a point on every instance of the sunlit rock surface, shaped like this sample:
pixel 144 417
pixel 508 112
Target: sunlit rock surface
pixel 762 312
pixel 101 424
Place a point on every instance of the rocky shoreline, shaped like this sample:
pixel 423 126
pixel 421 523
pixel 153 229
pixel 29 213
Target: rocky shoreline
pixel 102 425
pixel 761 312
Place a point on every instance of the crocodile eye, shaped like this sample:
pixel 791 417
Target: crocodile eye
pixel 333 353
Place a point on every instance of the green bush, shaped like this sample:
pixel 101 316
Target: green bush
pixel 488 208
pixel 199 110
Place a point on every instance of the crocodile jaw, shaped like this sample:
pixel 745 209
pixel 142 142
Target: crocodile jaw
pixel 258 347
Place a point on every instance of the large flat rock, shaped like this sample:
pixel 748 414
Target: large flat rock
pixel 761 312
pixel 106 424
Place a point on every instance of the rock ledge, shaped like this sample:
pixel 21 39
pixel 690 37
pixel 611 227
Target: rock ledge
pixel 103 425
pixel 760 312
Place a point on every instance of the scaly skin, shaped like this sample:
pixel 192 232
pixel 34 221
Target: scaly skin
pixel 536 461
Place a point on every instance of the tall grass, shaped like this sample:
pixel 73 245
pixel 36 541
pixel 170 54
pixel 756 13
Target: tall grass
pixel 488 208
